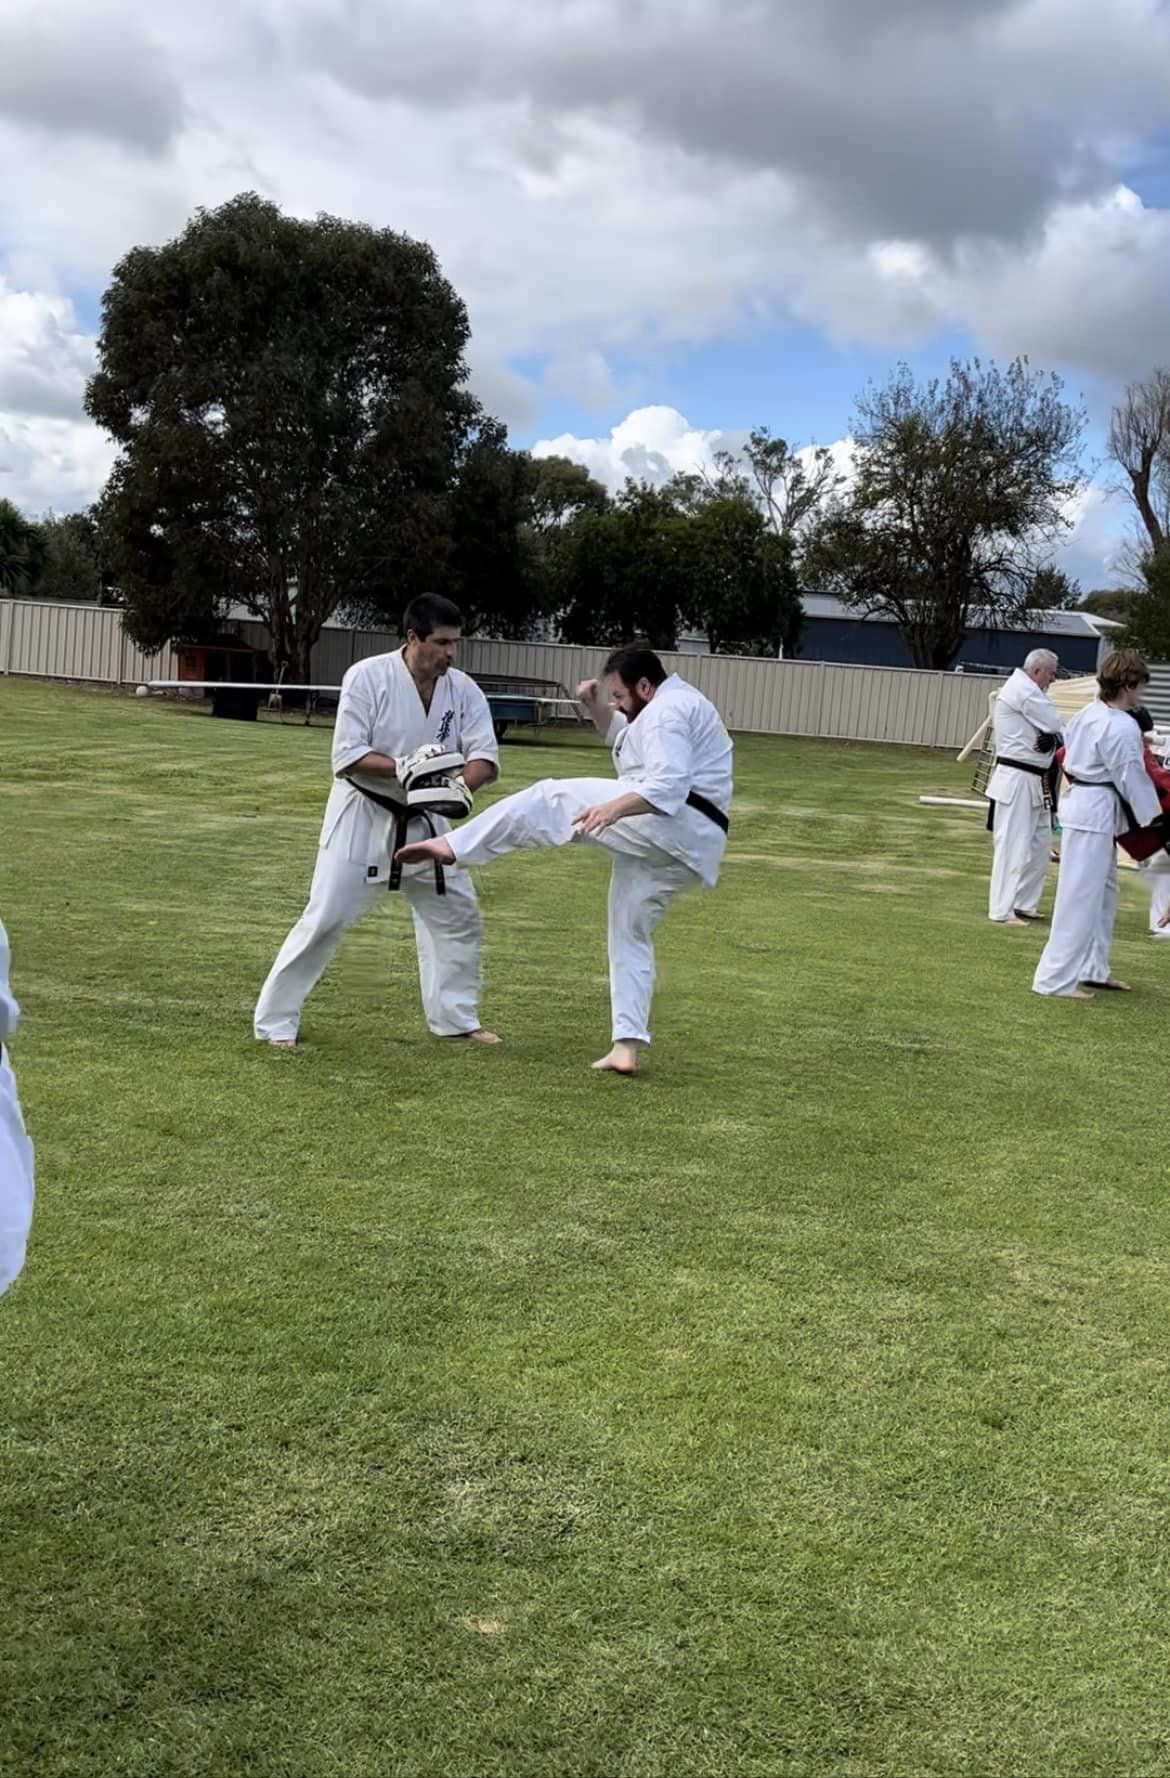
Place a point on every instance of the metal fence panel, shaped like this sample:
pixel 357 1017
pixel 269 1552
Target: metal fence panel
pixel 1158 695
pixel 754 696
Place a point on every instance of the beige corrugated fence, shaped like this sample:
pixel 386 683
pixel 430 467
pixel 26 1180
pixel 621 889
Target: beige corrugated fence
pixel 87 642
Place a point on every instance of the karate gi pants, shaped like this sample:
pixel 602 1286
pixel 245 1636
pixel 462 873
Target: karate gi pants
pixel 1156 871
pixel 1022 836
pixel 448 933
pixel 643 882
pixel 1082 920
pixel 16 1178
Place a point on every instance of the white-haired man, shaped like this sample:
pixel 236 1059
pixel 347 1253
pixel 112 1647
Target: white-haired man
pixel 1027 730
pixel 16 1152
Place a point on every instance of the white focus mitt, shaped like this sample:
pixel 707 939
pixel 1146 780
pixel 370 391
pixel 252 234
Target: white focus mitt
pixel 430 783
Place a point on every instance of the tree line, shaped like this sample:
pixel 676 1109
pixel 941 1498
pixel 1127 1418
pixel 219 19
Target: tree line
pixel 296 437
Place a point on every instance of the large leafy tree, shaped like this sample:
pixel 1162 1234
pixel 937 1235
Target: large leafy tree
pixel 289 397
pixel 737 583
pixel 961 491
pixel 493 570
pixel 20 552
pixel 1051 589
pixel 1115 603
pixel 71 564
pixel 741 588
pixel 1147 620
pixel 560 491
pixel 625 572
pixel 693 554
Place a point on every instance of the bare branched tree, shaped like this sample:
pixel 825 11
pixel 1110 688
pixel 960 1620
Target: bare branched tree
pixel 1139 441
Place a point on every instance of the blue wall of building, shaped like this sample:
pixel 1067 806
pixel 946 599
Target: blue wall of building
pixel 858 643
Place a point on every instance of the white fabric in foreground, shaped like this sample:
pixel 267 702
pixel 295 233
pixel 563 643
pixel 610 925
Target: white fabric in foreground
pixel 16 1151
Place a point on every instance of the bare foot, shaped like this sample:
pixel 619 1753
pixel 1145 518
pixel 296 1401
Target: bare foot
pixel 1077 994
pixel 477 1036
pixel 1112 984
pixel 1164 919
pixel 281 1043
pixel 1014 921
pixel 420 850
pixel 622 1059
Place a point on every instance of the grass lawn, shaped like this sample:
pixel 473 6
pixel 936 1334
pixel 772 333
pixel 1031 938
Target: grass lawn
pixel 401 1408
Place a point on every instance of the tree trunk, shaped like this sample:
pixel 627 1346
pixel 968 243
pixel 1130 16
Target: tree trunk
pixel 1140 479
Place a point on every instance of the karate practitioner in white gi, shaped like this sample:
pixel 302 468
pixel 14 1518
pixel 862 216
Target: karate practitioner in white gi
pixel 390 705
pixel 16 1151
pixel 1103 763
pixel 668 744
pixel 1022 830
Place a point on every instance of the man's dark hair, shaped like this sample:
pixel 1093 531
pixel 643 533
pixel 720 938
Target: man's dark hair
pixel 430 611
pixel 633 663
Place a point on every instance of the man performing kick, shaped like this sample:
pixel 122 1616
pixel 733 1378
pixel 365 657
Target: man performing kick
pixel 391 705
pixel 1027 730
pixel 666 829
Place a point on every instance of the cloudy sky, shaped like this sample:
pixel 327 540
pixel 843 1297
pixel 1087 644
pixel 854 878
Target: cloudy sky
pixel 671 220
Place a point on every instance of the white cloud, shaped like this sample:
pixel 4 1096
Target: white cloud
pixel 51 463
pixel 584 378
pixel 96 74
pixel 606 183
pixel 50 455
pixel 653 443
pixel 1088 290
pixel 45 357
pixel 1096 552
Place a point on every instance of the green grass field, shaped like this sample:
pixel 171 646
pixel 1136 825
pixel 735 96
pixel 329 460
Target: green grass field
pixel 393 1407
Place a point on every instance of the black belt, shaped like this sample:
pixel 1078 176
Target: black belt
pixel 402 820
pixel 1018 765
pixel 695 801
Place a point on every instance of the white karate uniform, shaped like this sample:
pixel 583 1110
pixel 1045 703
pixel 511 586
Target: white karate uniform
pixel 675 745
pixel 1022 831
pixel 380 711
pixel 16 1151
pixel 1103 749
pixel 1157 871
